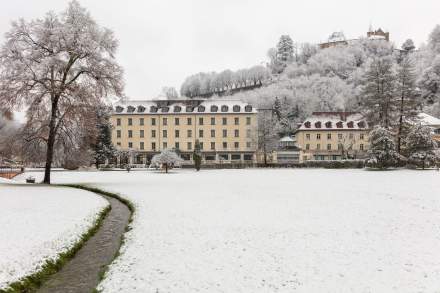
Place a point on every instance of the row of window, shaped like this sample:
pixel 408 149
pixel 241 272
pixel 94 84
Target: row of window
pixel 178 109
pixel 189 145
pixel 340 136
pixel 329 147
pixel 178 120
pixel 189 133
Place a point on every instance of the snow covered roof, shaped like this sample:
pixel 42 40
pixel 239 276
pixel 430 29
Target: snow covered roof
pixel 376 37
pixel 183 106
pixel 287 139
pixel 334 121
pixel 429 120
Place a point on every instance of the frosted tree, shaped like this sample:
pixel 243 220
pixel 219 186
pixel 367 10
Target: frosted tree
pixel 197 155
pixel 285 50
pixel 382 152
pixel 408 45
pixel 57 65
pixel 377 97
pixel 267 137
pixel 434 40
pixel 430 82
pixel 170 93
pixel 103 149
pixel 167 159
pixel 407 96
pixel 420 146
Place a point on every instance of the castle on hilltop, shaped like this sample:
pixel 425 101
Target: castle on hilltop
pixel 338 38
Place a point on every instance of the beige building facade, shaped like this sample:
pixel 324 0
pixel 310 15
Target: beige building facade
pixel 225 129
pixel 333 136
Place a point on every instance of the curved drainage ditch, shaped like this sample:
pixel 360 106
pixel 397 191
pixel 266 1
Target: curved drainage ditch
pixel 83 272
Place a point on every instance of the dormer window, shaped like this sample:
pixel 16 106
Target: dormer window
pixel 248 108
pixel 339 124
pixel 361 124
pixel 153 109
pixel 225 108
pixel 214 108
pixel 165 109
pixel 189 109
pixel 236 108
pixel 130 109
pixel 177 109
pixel 307 124
pixel 201 108
pixel 119 109
pixel 318 124
pixel 350 124
pixel 328 124
pixel 141 109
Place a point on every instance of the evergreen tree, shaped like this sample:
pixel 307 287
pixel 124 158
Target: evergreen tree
pixel 102 146
pixel 197 155
pixel 382 151
pixel 407 97
pixel 285 50
pixel 377 97
pixel 420 146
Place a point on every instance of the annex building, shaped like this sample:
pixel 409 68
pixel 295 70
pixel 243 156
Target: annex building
pixel 225 129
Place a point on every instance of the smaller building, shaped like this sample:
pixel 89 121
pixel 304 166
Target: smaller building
pixel 333 136
pixel 287 152
pixel 433 123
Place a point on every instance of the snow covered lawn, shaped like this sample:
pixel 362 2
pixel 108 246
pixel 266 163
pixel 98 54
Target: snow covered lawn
pixel 305 230
pixel 38 222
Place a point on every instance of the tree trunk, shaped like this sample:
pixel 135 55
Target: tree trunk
pixel 166 168
pixel 399 134
pixel 51 141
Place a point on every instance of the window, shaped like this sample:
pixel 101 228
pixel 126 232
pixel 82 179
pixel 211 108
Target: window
pixel 141 133
pixel 307 146
pixel 189 121
pixel 200 120
pixel 212 133
pixel 225 145
pixel 141 145
pixel 130 145
pixel 329 147
pixel 165 121
pixel 118 133
pixel 153 121
pixel 201 145
pixel 224 120
pixel 248 133
pixel 141 121
pixel 176 121
pixel 189 145
pixel 130 133
pixel 247 157
pixel 351 136
pixel 177 145
pixel 361 147
pixel 339 135
pixel 165 145
pixel 235 157
pixel 224 157
pixel 236 145
pixel 153 133
pixel 248 144
pixel 212 145
pixel 308 136
pixel 189 133
pixel 318 136
pixel 248 120
pixel 153 146
pixel 329 136
pixel 236 108
pixel 164 133
pixel 118 122
pixel 237 121
pixel 361 136
pixel 318 146
pixel 118 144
pixel 339 147
pixel 212 120
pixel 210 157
pixel 236 133
pixel 225 133
pixel 130 121
pixel 176 133
pixel 200 132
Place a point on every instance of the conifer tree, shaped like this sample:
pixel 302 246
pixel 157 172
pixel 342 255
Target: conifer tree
pixel 103 148
pixel 421 146
pixel 197 155
pixel 382 151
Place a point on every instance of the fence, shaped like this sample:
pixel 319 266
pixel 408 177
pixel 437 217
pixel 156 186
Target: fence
pixel 10 172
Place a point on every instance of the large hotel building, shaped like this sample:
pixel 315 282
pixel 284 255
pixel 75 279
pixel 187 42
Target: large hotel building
pixel 226 129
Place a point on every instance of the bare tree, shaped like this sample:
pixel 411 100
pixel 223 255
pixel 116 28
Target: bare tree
pixel 58 66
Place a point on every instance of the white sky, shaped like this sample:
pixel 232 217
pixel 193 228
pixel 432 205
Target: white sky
pixel 163 41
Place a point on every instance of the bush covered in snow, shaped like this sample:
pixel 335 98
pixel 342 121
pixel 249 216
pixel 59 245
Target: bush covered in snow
pixel 421 147
pixel 382 151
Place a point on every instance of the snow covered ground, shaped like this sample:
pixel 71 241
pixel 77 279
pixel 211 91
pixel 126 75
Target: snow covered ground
pixel 39 222
pixel 304 230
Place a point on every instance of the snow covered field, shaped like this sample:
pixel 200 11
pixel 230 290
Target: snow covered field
pixel 37 223
pixel 305 230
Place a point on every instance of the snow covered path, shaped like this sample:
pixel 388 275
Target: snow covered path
pixel 276 231
pixel 38 222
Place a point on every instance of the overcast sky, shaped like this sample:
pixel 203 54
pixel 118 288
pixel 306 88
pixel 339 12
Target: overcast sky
pixel 163 41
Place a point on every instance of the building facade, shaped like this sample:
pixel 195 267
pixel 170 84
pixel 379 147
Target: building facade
pixel 333 136
pixel 225 129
